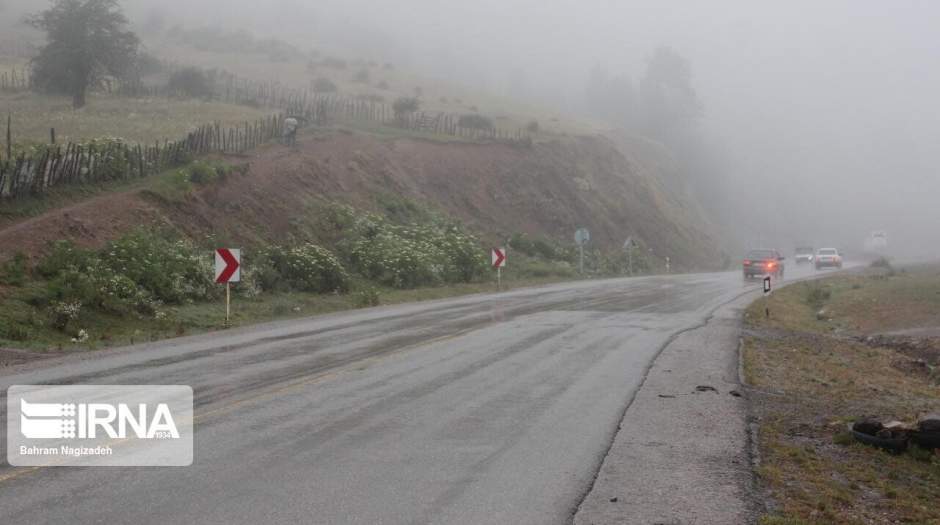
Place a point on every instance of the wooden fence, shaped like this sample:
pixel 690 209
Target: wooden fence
pixel 31 174
pixel 15 80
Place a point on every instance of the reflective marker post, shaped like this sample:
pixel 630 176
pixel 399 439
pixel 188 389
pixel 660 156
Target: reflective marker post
pixel 766 294
pixel 498 259
pixel 227 271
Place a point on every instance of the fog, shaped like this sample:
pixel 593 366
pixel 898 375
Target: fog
pixel 818 119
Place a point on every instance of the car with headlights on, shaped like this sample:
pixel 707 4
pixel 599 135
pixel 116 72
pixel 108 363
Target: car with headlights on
pixel 763 262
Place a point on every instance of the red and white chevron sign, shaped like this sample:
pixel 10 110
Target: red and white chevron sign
pixel 228 263
pixel 499 257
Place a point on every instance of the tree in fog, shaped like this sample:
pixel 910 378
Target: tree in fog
pixel 669 101
pixel 85 41
pixel 611 98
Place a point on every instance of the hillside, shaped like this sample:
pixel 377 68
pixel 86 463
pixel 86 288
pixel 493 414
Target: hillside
pixel 550 189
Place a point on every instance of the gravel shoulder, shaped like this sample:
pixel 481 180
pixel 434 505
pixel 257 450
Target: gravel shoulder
pixel 681 454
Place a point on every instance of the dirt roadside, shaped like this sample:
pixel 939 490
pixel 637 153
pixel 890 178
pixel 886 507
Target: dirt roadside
pixel 551 188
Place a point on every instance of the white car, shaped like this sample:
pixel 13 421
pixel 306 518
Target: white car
pixel 828 258
pixel 803 254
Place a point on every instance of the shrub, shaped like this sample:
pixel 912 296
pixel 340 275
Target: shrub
pixel 361 76
pixel 171 270
pixel 816 296
pixel 532 126
pixel 15 271
pixel 190 82
pixel 201 172
pixel 148 64
pixel 367 297
pixel 62 313
pixel 309 268
pixel 473 121
pixel 404 106
pixel 62 255
pixel 324 85
pixel 15 332
pixel 541 247
pixel 138 272
pixel 411 256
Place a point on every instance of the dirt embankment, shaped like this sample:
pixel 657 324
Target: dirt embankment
pixel 551 188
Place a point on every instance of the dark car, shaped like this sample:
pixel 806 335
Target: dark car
pixel 763 262
pixel 804 254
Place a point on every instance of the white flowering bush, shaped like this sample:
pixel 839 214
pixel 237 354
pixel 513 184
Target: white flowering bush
pixel 415 255
pixel 64 312
pixel 136 273
pixel 81 336
pixel 307 267
pixel 172 271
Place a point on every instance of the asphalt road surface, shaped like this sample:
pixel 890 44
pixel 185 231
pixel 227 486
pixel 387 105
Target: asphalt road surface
pixel 496 408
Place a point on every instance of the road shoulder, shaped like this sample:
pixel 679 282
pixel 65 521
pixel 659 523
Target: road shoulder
pixel 681 453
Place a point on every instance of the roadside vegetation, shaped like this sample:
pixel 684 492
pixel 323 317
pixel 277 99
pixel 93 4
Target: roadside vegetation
pixel 156 282
pixel 816 366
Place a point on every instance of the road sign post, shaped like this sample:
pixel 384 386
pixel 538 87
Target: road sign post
pixel 227 271
pixel 498 258
pixel 628 246
pixel 766 293
pixel 581 237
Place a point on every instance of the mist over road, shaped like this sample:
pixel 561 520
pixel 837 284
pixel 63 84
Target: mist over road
pixel 495 408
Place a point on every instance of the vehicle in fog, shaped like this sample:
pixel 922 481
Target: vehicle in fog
pixel 877 242
pixel 828 258
pixel 804 254
pixel 763 262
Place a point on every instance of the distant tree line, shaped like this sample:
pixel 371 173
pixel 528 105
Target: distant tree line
pixel 663 104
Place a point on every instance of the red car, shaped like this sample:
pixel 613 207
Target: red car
pixel 763 262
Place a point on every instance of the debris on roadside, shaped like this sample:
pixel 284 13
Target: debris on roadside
pixel 896 436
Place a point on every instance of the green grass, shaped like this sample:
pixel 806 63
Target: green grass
pixel 809 384
pixel 107 330
pixel 144 120
pixel 871 301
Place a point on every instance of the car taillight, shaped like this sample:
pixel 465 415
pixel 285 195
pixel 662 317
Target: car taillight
pixel 747 263
pixel 771 264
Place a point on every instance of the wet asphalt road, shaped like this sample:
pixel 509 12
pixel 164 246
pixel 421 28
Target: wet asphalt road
pixel 492 408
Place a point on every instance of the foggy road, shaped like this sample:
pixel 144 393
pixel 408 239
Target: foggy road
pixel 495 408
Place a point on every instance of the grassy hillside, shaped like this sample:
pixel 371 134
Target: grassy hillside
pixel 137 120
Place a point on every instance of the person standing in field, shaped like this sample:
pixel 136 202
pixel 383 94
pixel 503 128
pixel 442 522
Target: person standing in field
pixel 290 131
